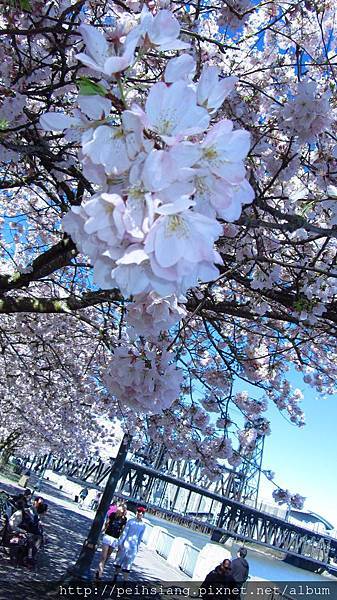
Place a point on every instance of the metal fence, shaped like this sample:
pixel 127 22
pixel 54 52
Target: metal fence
pixel 185 521
pixel 164 544
pixel 189 559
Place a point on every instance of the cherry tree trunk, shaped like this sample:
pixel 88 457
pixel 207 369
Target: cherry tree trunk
pixel 81 571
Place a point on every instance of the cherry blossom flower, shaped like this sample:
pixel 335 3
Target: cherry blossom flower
pixel 215 197
pixel 107 147
pixel 105 217
pixel 58 121
pixel 306 115
pixel 234 14
pixel 131 271
pixel 165 168
pixel 181 238
pixel 73 223
pixel 161 31
pixel 285 497
pixel 94 107
pixel 224 151
pixel 211 91
pixel 182 67
pixel 166 114
pixel 297 501
pixel 247 438
pixel 100 56
pixel 151 314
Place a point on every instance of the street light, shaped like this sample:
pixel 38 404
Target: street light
pixel 80 571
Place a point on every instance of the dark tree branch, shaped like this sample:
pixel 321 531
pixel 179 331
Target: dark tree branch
pixel 45 264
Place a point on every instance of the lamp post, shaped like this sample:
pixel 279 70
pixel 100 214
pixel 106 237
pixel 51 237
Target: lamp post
pixel 80 571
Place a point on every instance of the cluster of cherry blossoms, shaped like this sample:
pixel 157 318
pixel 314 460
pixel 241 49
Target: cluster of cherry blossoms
pixel 251 408
pixel 287 399
pixel 234 14
pixel 306 115
pixel 145 378
pixel 152 314
pixel 285 497
pixel 164 175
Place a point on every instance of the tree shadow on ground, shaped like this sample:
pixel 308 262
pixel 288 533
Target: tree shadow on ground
pixel 65 530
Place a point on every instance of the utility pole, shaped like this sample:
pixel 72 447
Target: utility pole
pixel 81 571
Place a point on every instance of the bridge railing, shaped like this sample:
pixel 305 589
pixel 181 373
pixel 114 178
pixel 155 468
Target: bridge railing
pixel 184 520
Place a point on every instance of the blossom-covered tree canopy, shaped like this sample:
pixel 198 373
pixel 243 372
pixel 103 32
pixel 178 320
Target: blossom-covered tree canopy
pixel 169 212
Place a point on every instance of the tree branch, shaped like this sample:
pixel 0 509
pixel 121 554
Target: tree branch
pixel 45 264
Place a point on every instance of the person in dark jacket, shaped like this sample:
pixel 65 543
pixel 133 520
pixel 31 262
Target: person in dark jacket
pixel 25 525
pixel 219 579
pixel 22 499
pixel 240 568
pixel 82 496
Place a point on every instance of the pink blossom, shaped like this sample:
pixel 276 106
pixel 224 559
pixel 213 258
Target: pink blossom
pixel 306 115
pixel 145 379
pixel 165 112
pixel 162 31
pixel 182 67
pixel 151 314
pixel 94 107
pixel 100 56
pixel 107 146
pixel 224 150
pixel 58 121
pixel 211 92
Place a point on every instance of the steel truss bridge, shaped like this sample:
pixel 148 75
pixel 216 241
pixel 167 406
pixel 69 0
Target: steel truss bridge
pixel 176 491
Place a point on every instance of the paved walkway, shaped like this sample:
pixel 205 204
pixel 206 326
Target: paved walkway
pixel 65 528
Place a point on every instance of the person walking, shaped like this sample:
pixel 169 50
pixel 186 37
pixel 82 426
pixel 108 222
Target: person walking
pixel 219 582
pixel 95 502
pixel 240 568
pixel 113 529
pixel 82 496
pixel 112 509
pixel 129 543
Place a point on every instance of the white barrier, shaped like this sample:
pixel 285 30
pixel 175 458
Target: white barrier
pixel 189 559
pixel 177 550
pixel 164 543
pixel 147 532
pixel 154 536
pixel 181 554
pixel 209 557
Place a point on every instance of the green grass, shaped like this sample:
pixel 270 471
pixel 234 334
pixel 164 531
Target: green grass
pixel 7 471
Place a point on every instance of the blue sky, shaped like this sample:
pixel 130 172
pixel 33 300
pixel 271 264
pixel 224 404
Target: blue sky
pixel 305 460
